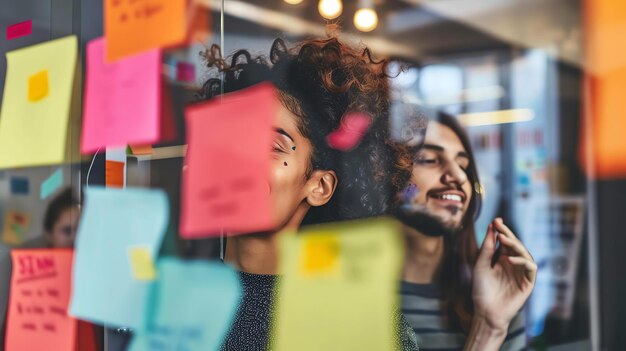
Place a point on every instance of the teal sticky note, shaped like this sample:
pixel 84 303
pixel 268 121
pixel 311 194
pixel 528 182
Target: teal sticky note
pixel 51 184
pixel 113 220
pixel 192 306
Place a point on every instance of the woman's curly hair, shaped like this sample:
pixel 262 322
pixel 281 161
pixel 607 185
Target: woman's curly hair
pixel 320 81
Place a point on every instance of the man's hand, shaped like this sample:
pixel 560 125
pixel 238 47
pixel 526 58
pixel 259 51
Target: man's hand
pixel 500 290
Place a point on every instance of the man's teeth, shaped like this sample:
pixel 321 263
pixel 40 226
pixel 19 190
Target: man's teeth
pixel 450 197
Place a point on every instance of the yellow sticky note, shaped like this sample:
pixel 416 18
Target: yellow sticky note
pixel 38 86
pixel 141 263
pixel 320 255
pixel 343 278
pixel 36 103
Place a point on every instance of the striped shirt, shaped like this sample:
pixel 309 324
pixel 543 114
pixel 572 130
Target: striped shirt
pixel 422 307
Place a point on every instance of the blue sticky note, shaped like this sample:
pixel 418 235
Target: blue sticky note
pixel 192 307
pixel 19 186
pixel 113 221
pixel 51 184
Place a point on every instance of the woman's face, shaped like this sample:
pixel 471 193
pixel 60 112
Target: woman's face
pixel 64 229
pixel 291 191
pixel 439 183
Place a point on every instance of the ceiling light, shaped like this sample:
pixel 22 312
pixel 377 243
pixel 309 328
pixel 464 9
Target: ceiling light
pixel 365 19
pixel 330 9
pixel 293 2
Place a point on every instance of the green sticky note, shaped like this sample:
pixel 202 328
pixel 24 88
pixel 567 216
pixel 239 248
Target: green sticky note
pixel 36 103
pixel 51 184
pixel 339 287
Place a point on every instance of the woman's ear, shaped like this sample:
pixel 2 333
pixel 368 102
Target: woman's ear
pixel 321 187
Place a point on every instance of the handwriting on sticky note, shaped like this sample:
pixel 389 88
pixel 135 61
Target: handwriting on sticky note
pixel 20 29
pixel 114 174
pixel 193 307
pixel 38 86
pixel 51 184
pixel 112 221
pixel 40 293
pixel 320 255
pixel 16 225
pixel 219 190
pixel 141 263
pixel 36 103
pixel 345 270
pixel 133 26
pixel 116 91
pixel 347 136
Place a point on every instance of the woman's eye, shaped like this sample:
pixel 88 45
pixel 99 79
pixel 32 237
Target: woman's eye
pixel 427 161
pixel 278 148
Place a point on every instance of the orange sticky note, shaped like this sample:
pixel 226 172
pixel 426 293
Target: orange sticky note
pixel 226 183
pixel 320 255
pixel 38 86
pixel 605 83
pixel 141 149
pixel 141 263
pixel 114 174
pixel 132 26
pixel 39 299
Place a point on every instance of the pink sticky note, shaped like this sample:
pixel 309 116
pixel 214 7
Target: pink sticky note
pixel 353 127
pixel 21 29
pixel 226 182
pixel 40 296
pixel 122 99
pixel 185 72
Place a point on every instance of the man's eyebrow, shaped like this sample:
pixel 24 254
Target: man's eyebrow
pixel 283 132
pixel 432 147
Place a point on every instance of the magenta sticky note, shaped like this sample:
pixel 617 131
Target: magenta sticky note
pixel 353 127
pixel 122 99
pixel 21 29
pixel 185 72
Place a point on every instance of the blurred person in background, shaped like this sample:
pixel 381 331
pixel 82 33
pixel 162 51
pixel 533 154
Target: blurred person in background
pixel 318 82
pixel 452 292
pixel 60 225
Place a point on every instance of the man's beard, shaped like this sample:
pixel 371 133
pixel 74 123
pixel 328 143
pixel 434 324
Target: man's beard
pixel 418 218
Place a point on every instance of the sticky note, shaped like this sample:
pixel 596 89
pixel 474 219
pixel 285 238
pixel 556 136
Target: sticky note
pixel 114 174
pixel 34 133
pixel 51 184
pixel 141 149
pixel 350 290
pixel 40 294
pixel 198 24
pixel 353 127
pixel 228 138
pixel 133 27
pixel 192 307
pixel 16 225
pixel 19 186
pixel 320 255
pixel 141 263
pixel 20 29
pixel 38 86
pixel 185 72
pixel 602 149
pixel 112 220
pixel 122 99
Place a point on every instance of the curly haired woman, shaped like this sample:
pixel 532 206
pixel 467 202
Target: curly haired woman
pixel 318 83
